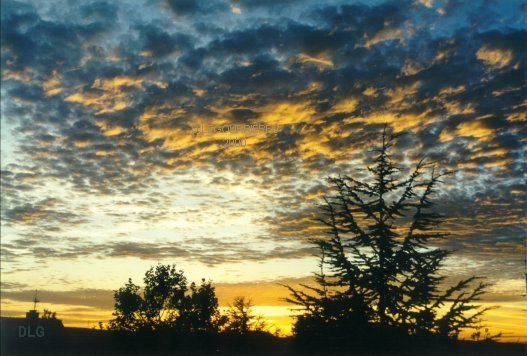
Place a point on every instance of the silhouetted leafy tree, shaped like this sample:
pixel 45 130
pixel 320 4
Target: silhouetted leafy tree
pixel 166 302
pixel 381 272
pixel 163 295
pixel 199 312
pixel 241 319
pixel 128 308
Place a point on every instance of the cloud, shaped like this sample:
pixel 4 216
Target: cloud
pixel 100 100
pixel 96 298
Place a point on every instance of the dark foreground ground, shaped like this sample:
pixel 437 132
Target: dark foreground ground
pixel 77 341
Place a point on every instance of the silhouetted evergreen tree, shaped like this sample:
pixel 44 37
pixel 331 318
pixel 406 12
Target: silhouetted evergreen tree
pixel 378 273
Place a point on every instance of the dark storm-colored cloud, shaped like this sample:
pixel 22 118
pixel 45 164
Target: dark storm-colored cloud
pixel 159 43
pixel 99 11
pixel 264 3
pixel 264 71
pixel 30 41
pixel 194 7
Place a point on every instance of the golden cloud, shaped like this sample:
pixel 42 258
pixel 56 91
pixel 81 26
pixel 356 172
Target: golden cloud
pixel 494 57
pixel 474 128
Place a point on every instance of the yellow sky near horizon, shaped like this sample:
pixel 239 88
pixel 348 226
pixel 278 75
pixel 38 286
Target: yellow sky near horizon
pixel 509 318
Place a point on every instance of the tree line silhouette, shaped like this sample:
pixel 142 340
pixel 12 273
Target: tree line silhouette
pixel 378 281
pixel 168 302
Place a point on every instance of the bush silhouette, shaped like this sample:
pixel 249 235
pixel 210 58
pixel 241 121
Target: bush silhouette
pixel 48 314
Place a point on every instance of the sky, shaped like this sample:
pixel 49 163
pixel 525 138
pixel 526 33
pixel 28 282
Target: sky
pixel 104 174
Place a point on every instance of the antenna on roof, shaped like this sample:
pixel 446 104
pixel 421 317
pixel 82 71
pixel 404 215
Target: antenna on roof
pixel 35 300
